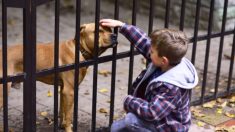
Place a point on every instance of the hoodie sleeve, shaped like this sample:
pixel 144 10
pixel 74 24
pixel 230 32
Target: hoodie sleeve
pixel 137 37
pixel 159 107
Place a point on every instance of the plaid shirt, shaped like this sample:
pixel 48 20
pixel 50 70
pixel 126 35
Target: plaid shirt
pixel 165 105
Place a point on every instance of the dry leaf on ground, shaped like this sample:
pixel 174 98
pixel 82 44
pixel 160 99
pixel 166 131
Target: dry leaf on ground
pixel 103 90
pixel 230 115
pixel 219 111
pixel 44 113
pixel 103 110
pixel 225 129
pixel 232 99
pixel 200 124
pixel 49 93
pixel 104 72
pixel 223 104
pixel 209 104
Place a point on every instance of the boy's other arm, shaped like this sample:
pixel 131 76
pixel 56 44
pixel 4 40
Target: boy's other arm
pixel 133 34
pixel 137 37
pixel 159 107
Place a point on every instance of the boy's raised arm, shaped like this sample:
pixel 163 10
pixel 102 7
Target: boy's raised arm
pixel 133 34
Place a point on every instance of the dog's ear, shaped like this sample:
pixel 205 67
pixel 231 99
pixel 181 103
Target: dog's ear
pixel 82 27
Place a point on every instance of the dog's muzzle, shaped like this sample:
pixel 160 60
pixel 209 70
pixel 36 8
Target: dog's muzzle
pixel 114 41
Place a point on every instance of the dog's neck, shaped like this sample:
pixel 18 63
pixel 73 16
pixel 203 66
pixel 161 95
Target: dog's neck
pixel 85 54
pixel 84 50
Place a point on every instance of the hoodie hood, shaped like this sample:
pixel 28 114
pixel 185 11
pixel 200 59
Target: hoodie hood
pixel 183 75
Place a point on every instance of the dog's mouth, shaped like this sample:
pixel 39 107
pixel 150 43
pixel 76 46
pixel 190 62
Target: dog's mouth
pixel 114 42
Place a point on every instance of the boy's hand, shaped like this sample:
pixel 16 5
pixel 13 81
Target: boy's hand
pixel 111 23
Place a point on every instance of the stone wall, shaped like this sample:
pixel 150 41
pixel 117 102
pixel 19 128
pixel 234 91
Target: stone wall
pixel 190 11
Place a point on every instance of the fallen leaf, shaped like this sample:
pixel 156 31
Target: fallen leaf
pixel 197 112
pixel 227 56
pixel 11 22
pixel 232 99
pixel 219 100
pixel 87 92
pixel 223 104
pixel 199 115
pixel 104 72
pixel 115 117
pixel 37 123
pixel 50 121
pixel 49 93
pixel 209 104
pixel 225 129
pixel 143 68
pixel 143 60
pixel 103 110
pixel 200 124
pixel 230 115
pixel 212 90
pixel 219 111
pixel 231 105
pixel 44 113
pixel 103 90
pixel 197 87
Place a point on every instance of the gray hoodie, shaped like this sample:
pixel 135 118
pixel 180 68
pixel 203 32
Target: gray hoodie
pixel 183 75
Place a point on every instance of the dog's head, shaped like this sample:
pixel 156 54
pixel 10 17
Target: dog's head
pixel 87 38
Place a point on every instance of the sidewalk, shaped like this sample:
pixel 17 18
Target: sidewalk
pixel 195 128
pixel 45 33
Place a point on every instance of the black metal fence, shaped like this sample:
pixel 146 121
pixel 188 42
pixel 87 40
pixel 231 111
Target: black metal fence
pixel 29 42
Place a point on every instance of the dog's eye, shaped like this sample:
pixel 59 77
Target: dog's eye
pixel 101 31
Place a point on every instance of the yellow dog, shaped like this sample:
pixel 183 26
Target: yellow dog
pixel 45 60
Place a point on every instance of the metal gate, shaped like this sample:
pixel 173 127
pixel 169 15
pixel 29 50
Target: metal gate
pixel 29 42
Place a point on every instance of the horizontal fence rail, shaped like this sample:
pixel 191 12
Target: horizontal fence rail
pixel 29 74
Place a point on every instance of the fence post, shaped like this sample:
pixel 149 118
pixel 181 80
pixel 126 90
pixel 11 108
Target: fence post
pixel 29 43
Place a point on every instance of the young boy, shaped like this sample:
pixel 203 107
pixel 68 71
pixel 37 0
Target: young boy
pixel 160 101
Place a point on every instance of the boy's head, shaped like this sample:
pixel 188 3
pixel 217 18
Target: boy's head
pixel 168 47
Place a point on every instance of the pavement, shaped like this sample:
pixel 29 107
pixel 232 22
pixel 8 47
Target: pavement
pixel 45 33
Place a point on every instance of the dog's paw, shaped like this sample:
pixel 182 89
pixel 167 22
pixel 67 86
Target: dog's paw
pixel 68 129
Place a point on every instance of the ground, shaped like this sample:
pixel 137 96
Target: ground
pixel 45 33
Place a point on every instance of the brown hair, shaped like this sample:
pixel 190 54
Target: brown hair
pixel 172 44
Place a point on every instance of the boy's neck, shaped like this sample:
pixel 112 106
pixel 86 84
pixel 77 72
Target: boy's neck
pixel 166 68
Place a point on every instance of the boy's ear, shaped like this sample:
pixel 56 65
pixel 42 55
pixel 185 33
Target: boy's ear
pixel 165 61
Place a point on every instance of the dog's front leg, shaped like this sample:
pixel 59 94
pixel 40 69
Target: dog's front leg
pixel 68 96
pixel 62 113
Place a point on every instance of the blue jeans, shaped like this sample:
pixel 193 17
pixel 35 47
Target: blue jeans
pixel 132 123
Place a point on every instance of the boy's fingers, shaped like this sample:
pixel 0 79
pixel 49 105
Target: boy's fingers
pixel 105 20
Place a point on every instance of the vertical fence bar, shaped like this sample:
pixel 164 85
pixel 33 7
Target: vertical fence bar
pixel 77 56
pixel 210 24
pixel 4 65
pixel 231 64
pixel 151 15
pixel 167 13
pixel 96 43
pixel 29 26
pixel 221 48
pixel 182 15
pixel 56 63
pixel 132 49
pixel 113 79
pixel 195 36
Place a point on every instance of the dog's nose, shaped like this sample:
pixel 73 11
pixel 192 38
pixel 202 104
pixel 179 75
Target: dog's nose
pixel 114 41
